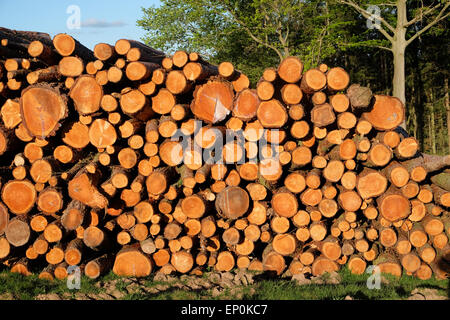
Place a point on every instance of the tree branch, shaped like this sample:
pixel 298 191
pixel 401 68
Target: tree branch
pixel 422 14
pixel 367 15
pixel 387 4
pixel 438 18
pixel 377 46
pixel 250 33
pixel 371 46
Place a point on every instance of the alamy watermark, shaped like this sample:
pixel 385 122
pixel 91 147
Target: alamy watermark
pixel 373 22
pixel 74 20
pixel 73 277
pixel 374 281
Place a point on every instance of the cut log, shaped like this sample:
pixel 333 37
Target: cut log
pixel 284 244
pixel 74 252
pixel 19 196
pixel 158 181
pixel 323 265
pixel 389 264
pixel 397 174
pixel 360 97
pixel 272 114
pixel 379 155
pixel 313 80
pixel 71 66
pixel 50 201
pixel 337 79
pixel 86 94
pixel 418 236
pixel 284 203
pixel 18 231
pixel 41 109
pixel 182 261
pixel 246 104
pixel 322 115
pixel 410 262
pixel 290 69
pixel 357 264
pixel 232 202
pixel 273 262
pixel 82 188
pixel 131 262
pixel 177 83
pixel 95 238
pixel 65 45
pixel 441 196
pixel 371 183
pixel 98 266
pixel 135 104
pixel 123 46
pixel 196 71
pixel 387 113
pixel 194 206
pixel 73 215
pixel 225 261
pixel 407 148
pixel 330 248
pixel 213 101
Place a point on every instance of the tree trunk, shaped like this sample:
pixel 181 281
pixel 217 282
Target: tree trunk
pixel 432 125
pixel 398 51
pixel 447 107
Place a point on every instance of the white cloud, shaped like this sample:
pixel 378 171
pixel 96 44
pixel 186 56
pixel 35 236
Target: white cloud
pixel 96 23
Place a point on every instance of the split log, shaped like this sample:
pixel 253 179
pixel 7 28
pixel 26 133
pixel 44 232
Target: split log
pixel 213 101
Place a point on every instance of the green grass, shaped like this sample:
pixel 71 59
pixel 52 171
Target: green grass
pixel 26 288
pixel 352 285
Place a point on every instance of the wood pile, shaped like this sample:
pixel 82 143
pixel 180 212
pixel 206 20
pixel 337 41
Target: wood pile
pixel 129 160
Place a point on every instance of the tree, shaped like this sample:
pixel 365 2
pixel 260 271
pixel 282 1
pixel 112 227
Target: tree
pixel 397 34
pixel 269 23
pixel 253 34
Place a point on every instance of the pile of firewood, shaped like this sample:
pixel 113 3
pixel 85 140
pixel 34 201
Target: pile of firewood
pixel 127 159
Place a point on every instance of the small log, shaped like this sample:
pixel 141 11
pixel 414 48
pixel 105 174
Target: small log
pixel 313 80
pixel 290 69
pixel 65 45
pixel 98 266
pixel 272 114
pixel 135 104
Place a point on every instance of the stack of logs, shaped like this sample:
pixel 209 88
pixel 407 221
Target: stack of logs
pixel 127 159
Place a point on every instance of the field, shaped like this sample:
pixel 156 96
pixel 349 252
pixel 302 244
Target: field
pixel 217 286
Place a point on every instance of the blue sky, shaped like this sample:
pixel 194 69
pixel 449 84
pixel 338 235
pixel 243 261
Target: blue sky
pixel 101 20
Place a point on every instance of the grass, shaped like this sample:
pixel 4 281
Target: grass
pixel 264 288
pixel 27 288
pixel 351 285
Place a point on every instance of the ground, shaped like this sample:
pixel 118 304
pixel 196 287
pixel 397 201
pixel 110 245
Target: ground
pixel 236 284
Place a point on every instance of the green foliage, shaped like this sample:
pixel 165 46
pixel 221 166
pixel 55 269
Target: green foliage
pixel 253 35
